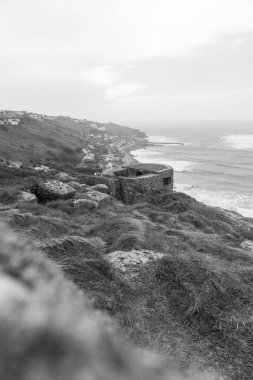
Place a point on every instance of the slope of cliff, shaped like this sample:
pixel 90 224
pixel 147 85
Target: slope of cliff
pixel 37 138
pixel 174 275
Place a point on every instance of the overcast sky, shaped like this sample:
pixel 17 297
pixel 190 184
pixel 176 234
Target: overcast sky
pixel 128 60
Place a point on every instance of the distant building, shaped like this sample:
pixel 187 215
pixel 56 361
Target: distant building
pixel 36 116
pixel 13 121
pixel 88 157
pixel 15 164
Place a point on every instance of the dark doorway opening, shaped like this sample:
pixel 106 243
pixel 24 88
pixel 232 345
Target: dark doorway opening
pixel 167 181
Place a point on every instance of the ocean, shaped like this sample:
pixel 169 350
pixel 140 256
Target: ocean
pixel 214 164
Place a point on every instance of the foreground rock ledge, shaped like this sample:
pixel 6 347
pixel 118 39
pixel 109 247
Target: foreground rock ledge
pixel 132 261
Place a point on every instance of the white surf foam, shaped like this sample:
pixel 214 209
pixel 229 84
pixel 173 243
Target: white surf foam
pixel 150 155
pixel 239 141
pixel 161 139
pixel 226 200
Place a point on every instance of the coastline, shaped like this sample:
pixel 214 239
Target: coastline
pixel 188 181
pixel 128 156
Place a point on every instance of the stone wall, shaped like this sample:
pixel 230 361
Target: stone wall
pixel 140 181
pixel 141 188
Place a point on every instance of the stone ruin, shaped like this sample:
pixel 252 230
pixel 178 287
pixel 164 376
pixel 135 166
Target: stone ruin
pixel 138 182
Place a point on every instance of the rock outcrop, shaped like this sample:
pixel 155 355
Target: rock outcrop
pixel 27 196
pixel 96 196
pixel 75 185
pixel 101 188
pixel 61 176
pixel 131 262
pixel 248 245
pixel 52 190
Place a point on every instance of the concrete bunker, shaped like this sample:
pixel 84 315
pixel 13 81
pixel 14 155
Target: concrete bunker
pixel 139 181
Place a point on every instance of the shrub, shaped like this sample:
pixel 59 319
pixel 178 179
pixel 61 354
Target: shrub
pixel 39 226
pixel 8 195
pixel 85 205
pixel 86 170
pixel 82 261
pixel 64 206
pixel 207 291
pixel 72 246
pixel 122 233
pixel 193 219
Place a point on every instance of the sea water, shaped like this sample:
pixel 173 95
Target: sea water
pixel 214 164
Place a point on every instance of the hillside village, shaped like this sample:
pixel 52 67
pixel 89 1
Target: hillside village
pixel 102 145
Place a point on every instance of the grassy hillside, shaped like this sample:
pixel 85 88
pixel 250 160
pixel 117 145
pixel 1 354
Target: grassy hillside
pixel 193 305
pixel 54 140
pixel 171 274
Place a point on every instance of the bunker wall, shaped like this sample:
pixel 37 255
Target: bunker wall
pixel 142 188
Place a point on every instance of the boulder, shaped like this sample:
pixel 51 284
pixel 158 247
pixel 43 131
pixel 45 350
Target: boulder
pixel 248 245
pixel 53 190
pixel 65 177
pixel 84 189
pixel 102 188
pixel 27 196
pixel 75 185
pixel 96 196
pixel 130 262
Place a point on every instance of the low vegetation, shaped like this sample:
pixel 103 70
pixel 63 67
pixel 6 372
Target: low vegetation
pixel 195 301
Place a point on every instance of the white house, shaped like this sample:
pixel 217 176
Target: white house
pixel 13 121
pixel 88 157
pixel 15 164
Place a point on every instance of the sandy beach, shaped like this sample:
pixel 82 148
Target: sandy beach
pixel 128 156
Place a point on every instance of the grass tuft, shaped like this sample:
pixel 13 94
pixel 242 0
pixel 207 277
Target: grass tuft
pixel 122 233
pixel 208 291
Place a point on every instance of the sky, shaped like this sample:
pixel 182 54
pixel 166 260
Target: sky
pixel 128 61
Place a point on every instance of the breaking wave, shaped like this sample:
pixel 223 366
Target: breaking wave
pixel 242 204
pixel 150 155
pixel 239 141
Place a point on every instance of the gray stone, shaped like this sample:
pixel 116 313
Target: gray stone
pixel 96 196
pixel 75 185
pixel 102 188
pixel 26 196
pixel 248 245
pixel 65 177
pixel 131 262
pixel 52 190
